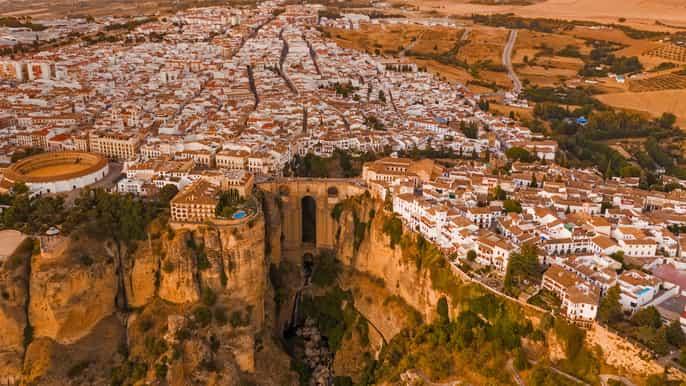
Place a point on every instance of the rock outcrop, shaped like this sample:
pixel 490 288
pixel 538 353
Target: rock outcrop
pixel 89 358
pixel 184 305
pixel 14 282
pixel 144 272
pixel 178 281
pixel 376 258
pixel 71 293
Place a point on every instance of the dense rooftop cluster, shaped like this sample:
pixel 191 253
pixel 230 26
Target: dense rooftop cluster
pixel 589 232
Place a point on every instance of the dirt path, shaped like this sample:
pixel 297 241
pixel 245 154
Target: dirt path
pixel 411 45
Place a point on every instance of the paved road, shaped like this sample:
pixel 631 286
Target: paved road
pixel 568 376
pixel 605 378
pixel 515 373
pixel 106 183
pixel 507 62
pixel 465 34
pixel 418 377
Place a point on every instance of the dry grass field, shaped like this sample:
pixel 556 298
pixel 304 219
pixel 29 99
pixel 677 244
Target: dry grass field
pixel 437 39
pixel 484 44
pixel 609 34
pixel 653 102
pixel 535 57
pixel 48 9
pixel 391 39
pixel 639 13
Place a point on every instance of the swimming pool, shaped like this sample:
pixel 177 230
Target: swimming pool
pixel 643 291
pixel 239 214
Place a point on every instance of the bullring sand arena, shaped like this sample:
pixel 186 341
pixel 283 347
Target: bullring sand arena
pixel 57 172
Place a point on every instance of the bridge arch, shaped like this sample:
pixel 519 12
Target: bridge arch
pixel 306 205
pixel 308 220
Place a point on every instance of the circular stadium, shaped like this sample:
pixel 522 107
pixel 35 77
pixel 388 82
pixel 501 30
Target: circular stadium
pixel 57 172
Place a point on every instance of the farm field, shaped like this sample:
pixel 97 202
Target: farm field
pixel 536 61
pixel 639 13
pixel 48 9
pixel 660 82
pixel 484 44
pixel 668 52
pixel 480 54
pixel 653 102
pixel 391 39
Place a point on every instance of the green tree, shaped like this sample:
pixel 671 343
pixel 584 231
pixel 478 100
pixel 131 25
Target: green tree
pixel 520 360
pixel 511 206
pixel 519 154
pixel 484 105
pixel 470 130
pixel 667 120
pixel 648 317
pixel 471 255
pixel 656 380
pixel 675 335
pixel 610 310
pixel 523 265
pixel 20 188
pixel 393 227
pixel 499 193
pixel 442 309
pixel 167 193
pixel 630 171
pixel 388 201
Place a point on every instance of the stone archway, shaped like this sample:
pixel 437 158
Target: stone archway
pixel 309 220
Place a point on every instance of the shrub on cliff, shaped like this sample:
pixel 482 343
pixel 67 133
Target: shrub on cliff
pixel 202 315
pixel 580 361
pixel 442 310
pixel 334 313
pixel 326 269
pixel 208 296
pixel 393 227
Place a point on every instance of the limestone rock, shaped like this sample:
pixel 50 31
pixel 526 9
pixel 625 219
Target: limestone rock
pixel 376 258
pixel 13 296
pixel 177 277
pixel 69 298
pixel 88 360
pixel 141 275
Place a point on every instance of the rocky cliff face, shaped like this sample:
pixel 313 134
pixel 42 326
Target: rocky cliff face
pixel 14 283
pixel 388 290
pixel 72 292
pixel 376 258
pixel 194 310
pixel 178 276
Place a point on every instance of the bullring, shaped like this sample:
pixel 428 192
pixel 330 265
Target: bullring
pixel 57 172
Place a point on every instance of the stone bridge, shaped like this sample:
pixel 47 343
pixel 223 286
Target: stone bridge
pixel 306 208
